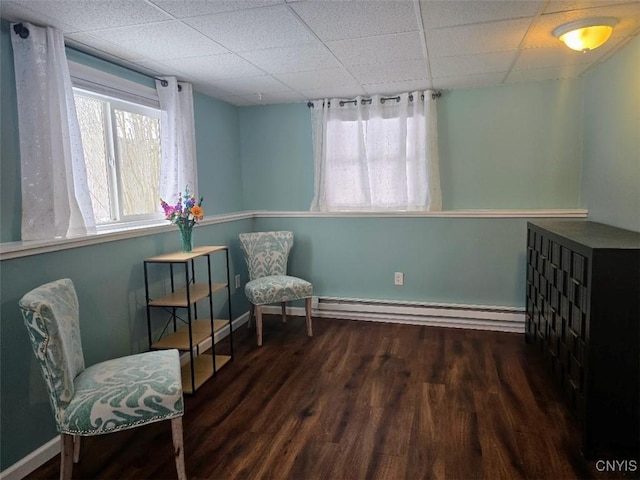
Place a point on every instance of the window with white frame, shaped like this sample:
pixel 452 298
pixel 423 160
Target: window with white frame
pixel 376 154
pixel 120 129
pixel 121 144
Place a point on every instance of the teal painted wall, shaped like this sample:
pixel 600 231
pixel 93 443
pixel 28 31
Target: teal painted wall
pixel 514 147
pixel 611 170
pixel 445 260
pixel 218 148
pixel 517 146
pixel 277 157
pixel 504 147
pixel 109 276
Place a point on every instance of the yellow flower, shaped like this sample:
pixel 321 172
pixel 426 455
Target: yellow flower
pixel 197 212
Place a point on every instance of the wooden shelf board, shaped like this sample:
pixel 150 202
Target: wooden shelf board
pixel 221 361
pixel 180 339
pixel 202 370
pixel 203 325
pixel 197 292
pixel 185 257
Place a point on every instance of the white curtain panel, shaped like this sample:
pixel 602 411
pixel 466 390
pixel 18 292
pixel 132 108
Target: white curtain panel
pixel 55 195
pixel 177 139
pixel 376 155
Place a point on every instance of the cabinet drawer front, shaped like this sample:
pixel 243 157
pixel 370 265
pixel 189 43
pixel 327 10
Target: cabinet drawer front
pixel 579 268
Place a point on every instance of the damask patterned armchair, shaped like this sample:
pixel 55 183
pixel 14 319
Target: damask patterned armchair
pixel 113 395
pixel 266 254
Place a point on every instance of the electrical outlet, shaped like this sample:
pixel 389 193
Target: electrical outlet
pixel 398 278
pixel 238 281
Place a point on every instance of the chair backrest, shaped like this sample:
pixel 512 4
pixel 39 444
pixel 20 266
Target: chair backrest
pixel 266 253
pixel 51 316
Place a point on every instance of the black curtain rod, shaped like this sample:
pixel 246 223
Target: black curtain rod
pixel 21 30
pixel 164 83
pixel 434 95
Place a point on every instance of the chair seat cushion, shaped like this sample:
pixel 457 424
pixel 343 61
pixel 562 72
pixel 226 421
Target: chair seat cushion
pixel 125 392
pixel 277 288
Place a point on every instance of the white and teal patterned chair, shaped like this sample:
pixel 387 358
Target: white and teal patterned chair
pixel 266 254
pixel 113 395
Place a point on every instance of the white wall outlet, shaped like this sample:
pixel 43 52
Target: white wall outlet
pixel 398 278
pixel 238 281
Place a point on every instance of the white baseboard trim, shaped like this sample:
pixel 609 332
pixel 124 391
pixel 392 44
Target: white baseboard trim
pixel 475 317
pixel 31 462
pixel 46 452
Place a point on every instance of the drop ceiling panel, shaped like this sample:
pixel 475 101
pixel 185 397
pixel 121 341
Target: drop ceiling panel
pixel 481 38
pixel 250 85
pixel 226 65
pixel 567 5
pixel 472 64
pixel 87 41
pixel 286 49
pixel 20 12
pixel 333 92
pixel 546 73
pixel 254 29
pixel 153 40
pixel 86 15
pixel 437 14
pixel 195 8
pixel 301 58
pixel 378 49
pixel 317 79
pixel 468 81
pixel 354 19
pixel 390 72
pixel 391 88
pixel 276 97
pixel 558 56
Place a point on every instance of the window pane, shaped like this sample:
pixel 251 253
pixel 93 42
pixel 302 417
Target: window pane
pixel 91 119
pixel 139 154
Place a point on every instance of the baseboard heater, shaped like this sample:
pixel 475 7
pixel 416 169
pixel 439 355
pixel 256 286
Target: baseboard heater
pixel 476 317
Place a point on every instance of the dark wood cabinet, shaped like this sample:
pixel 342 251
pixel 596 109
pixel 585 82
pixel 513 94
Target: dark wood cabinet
pixel 582 315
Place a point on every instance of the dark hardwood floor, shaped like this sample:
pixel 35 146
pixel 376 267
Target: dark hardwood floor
pixel 360 400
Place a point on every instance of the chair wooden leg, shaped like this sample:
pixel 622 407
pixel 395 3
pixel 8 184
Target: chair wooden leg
pixel 307 308
pixel 283 307
pixel 76 448
pixel 66 456
pixel 259 324
pixel 178 447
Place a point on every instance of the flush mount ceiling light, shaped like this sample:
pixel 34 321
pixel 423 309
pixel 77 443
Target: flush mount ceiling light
pixel 586 34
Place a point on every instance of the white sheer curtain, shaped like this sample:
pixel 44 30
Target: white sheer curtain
pixel 177 139
pixel 376 154
pixel 55 194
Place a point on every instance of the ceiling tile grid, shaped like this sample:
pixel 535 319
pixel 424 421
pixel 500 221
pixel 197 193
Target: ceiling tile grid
pixel 254 52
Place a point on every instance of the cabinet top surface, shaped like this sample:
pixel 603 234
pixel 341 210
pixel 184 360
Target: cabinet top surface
pixel 184 257
pixel 592 234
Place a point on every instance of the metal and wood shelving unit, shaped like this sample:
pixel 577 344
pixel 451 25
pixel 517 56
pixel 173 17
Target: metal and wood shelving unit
pixel 185 330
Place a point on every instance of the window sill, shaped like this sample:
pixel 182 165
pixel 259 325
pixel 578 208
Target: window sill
pixel 11 250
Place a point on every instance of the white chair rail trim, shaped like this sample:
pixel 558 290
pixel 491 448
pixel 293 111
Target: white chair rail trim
pixel 10 250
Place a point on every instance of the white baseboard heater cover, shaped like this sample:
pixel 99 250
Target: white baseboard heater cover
pixel 476 317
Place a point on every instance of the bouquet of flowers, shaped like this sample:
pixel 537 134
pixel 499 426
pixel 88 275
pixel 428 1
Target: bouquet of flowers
pixel 184 214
